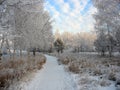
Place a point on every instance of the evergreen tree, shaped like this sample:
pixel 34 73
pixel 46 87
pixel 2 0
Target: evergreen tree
pixel 59 45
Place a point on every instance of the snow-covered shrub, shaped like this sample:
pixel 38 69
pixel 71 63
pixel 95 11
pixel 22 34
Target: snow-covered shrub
pixel 85 80
pixel 97 72
pixel 65 61
pixel 104 83
pixel 112 76
pixel 118 84
pixel 74 67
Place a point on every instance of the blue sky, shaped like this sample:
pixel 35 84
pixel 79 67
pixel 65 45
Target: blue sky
pixel 71 15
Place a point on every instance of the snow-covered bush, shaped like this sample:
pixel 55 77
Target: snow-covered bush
pixel 104 83
pixel 74 67
pixel 112 76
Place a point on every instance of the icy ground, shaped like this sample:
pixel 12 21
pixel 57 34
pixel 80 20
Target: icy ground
pixel 51 77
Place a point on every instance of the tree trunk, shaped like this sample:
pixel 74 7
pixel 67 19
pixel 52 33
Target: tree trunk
pixel 8 47
pixel 110 45
pixel 14 53
pixel 34 53
pixel 0 55
pixel 20 53
pixel 28 55
pixel 2 43
pixel 110 51
pixel 103 53
pixel 1 48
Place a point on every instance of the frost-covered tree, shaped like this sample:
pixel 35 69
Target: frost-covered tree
pixel 27 23
pixel 6 23
pixel 35 26
pixel 101 44
pixel 118 39
pixel 107 17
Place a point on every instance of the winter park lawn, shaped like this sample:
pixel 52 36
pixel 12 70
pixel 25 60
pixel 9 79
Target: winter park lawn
pixel 74 71
pixel 69 71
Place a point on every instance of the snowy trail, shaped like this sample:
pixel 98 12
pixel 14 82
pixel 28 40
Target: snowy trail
pixel 51 77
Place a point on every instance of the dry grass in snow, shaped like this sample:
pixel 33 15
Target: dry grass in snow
pixel 93 72
pixel 13 70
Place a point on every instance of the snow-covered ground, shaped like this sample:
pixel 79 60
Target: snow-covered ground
pixel 87 82
pixel 51 77
pixel 92 72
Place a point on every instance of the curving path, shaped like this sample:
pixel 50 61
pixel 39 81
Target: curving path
pixel 51 77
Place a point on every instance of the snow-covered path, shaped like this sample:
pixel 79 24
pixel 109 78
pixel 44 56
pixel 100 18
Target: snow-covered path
pixel 51 77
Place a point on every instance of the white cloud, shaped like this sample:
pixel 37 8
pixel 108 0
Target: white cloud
pixel 70 19
pixel 79 4
pixel 66 8
pixel 51 9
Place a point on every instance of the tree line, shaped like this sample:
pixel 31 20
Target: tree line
pixel 77 42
